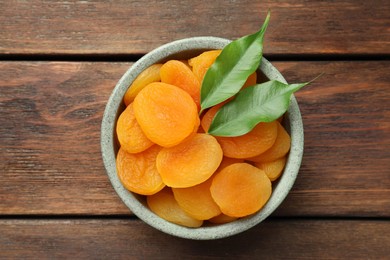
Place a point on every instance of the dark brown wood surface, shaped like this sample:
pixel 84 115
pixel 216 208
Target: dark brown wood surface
pixel 60 60
pixel 130 239
pixel 136 27
pixel 50 132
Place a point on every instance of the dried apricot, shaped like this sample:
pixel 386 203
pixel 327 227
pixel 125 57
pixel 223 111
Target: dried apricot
pixel 226 161
pixel 257 141
pixel 209 116
pixel 201 63
pixel 197 200
pixel 191 162
pixel 222 219
pixel 279 149
pixel 177 73
pixel 260 139
pixel 165 206
pixel 273 169
pixel 130 135
pixel 167 114
pixel 252 80
pixel 138 172
pixel 240 189
pixel 149 75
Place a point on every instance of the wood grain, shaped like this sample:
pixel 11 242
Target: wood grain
pixel 129 239
pixel 297 27
pixel 50 133
pixel 50 119
pixel 346 117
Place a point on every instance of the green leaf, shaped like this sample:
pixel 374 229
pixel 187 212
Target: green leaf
pixel 264 102
pixel 232 67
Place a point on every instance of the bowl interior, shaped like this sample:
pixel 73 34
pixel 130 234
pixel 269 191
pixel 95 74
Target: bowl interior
pixel 185 49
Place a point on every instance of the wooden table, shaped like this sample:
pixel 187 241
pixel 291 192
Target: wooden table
pixel 60 60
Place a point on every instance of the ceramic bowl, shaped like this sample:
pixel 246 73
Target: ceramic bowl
pixel 184 49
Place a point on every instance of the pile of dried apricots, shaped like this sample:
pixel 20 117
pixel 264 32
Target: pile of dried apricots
pixel 187 175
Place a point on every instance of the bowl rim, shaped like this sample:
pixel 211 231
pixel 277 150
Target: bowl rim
pixel 280 190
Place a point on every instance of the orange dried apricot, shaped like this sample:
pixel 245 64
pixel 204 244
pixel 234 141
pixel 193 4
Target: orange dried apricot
pixel 240 189
pixel 138 172
pixel 189 163
pixel 252 80
pixel 149 75
pixel 201 63
pixel 279 149
pixel 260 139
pixel 165 206
pixel 197 200
pixel 167 114
pixel 209 116
pixel 187 175
pixel 273 169
pixel 257 141
pixel 177 73
pixel 130 135
pixel 226 161
pixel 222 219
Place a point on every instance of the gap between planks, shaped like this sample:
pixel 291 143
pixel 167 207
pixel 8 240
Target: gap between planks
pixel 121 57
pixel 135 218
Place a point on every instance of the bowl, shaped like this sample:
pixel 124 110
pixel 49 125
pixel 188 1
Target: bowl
pixel 185 49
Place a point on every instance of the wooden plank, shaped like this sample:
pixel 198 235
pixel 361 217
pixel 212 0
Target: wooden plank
pixel 50 132
pixel 346 115
pixel 104 27
pixel 50 137
pixel 130 239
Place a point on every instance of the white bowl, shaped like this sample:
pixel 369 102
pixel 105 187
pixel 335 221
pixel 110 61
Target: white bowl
pixel 185 49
